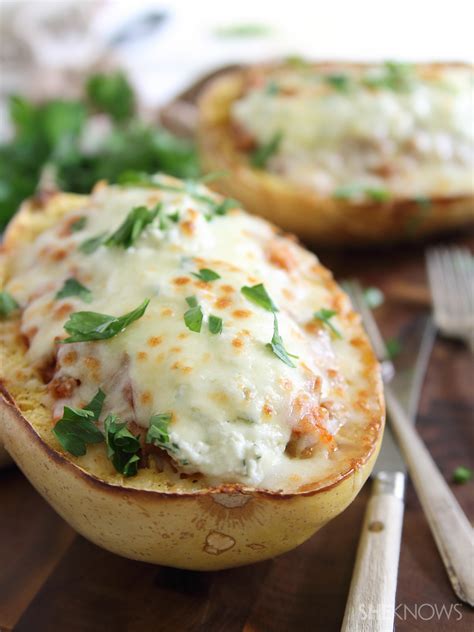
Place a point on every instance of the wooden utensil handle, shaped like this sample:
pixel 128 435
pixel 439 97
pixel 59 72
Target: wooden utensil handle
pixel 450 527
pixel 371 603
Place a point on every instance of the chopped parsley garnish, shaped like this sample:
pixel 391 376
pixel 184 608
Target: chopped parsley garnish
pixel 272 88
pixel 76 429
pixel 338 81
pixel 7 304
pixel 243 30
pixel 96 404
pixel 72 287
pixel 91 245
pixel 158 433
pixel 373 297
pixel 132 227
pixel 378 194
pixel 113 94
pixel 462 475
pixel 78 225
pixel 276 345
pixel 217 207
pixel 325 315
pixel 258 294
pixel 193 316
pixel 347 192
pixel 392 76
pixel 298 62
pixel 262 154
pixel 393 347
pixel 215 324
pixel 227 204
pixel 206 274
pixel 88 326
pixel 122 446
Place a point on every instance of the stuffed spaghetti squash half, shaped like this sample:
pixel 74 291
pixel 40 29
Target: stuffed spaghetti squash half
pixel 344 153
pixel 182 382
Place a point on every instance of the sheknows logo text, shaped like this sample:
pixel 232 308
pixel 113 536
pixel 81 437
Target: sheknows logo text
pixel 417 612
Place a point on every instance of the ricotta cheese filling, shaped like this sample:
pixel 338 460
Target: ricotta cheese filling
pixel 359 133
pixel 237 411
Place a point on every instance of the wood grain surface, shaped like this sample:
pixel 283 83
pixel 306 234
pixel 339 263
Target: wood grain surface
pixel 53 580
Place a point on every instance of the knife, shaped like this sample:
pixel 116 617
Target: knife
pixel 371 601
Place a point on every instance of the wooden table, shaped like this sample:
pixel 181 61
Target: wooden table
pixel 51 579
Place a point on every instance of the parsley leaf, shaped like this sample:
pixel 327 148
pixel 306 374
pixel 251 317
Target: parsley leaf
pixel 122 446
pixel 392 75
pixel 393 347
pixel 347 192
pixel 72 287
pixel 193 316
pixel 258 294
pixel 338 81
pixel 243 30
pixel 462 475
pixel 133 225
pixel 227 204
pixel 158 433
pixel 91 245
pixel 262 154
pixel 78 225
pixel 272 88
pixel 276 345
pixel 88 326
pixel 111 94
pixel 95 405
pixel 76 428
pixel 206 274
pixel 325 315
pixel 215 324
pixel 7 304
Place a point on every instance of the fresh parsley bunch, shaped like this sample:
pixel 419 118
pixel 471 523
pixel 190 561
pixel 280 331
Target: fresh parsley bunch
pixel 51 133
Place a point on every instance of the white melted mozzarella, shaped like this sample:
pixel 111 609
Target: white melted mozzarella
pixel 415 141
pixel 233 402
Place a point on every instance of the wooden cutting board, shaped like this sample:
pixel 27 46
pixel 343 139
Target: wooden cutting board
pixel 51 579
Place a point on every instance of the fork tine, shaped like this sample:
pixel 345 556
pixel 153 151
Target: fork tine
pixel 451 279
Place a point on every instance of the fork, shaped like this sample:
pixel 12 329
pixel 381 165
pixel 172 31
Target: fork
pixel 449 525
pixel 451 279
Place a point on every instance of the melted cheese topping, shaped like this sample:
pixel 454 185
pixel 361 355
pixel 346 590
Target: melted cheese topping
pixel 237 409
pixel 406 129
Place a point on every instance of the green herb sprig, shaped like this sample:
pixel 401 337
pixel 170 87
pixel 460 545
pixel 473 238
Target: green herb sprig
pixel 277 347
pixel 258 295
pixel 193 316
pixel 72 287
pixel 462 475
pixel 123 447
pixel 325 316
pixel 207 275
pixel 7 304
pixel 132 226
pixel 350 191
pixel 263 153
pixel 76 429
pixel 158 432
pixel 89 326
pixel 215 324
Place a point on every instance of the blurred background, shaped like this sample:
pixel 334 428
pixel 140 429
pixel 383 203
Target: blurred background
pixel 50 50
